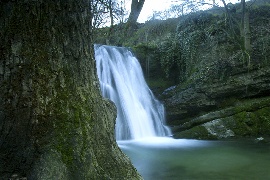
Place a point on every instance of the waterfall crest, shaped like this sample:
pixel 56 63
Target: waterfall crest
pixel 139 113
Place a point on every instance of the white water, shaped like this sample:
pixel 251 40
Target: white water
pixel 139 113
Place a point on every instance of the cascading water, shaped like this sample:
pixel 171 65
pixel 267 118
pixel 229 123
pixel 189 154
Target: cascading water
pixel 139 114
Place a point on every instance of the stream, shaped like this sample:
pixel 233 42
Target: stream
pixel 171 159
pixel 141 134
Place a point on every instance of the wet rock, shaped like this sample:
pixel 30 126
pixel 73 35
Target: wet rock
pixel 246 119
pixel 184 104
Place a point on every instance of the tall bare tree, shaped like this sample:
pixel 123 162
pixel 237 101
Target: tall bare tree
pixel 244 26
pixel 136 7
pixel 106 11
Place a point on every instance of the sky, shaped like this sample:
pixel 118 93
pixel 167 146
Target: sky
pixel 153 5
pixel 160 5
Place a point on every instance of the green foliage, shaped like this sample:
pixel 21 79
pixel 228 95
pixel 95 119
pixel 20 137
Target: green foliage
pixel 199 46
pixel 260 36
pixel 170 57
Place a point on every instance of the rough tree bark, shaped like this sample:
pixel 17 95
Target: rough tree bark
pixel 54 123
pixel 136 7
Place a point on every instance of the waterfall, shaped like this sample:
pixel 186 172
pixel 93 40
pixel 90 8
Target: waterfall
pixel 139 113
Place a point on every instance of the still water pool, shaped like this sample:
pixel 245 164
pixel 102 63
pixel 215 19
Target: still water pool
pixel 170 159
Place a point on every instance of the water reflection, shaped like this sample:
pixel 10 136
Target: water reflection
pixel 167 158
pixel 164 142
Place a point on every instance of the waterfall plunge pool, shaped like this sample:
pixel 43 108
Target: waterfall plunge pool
pixel 172 159
pixel 140 114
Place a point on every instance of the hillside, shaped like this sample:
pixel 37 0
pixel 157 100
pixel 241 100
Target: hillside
pixel 217 87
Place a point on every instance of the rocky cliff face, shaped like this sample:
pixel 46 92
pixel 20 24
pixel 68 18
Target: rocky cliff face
pixel 236 107
pixel 54 123
pixel 225 91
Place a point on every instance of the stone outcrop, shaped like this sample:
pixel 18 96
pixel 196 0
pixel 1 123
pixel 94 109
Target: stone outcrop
pixel 224 89
pixel 54 124
pixel 235 107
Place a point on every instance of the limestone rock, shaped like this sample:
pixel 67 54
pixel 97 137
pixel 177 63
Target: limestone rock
pixel 208 101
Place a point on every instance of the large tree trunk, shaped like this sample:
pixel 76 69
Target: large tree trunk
pixel 54 123
pixel 136 7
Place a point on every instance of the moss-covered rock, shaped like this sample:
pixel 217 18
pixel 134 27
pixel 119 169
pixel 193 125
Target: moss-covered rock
pixel 249 118
pixel 198 132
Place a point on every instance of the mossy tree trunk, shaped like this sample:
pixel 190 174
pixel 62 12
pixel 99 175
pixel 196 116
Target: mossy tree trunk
pixel 54 123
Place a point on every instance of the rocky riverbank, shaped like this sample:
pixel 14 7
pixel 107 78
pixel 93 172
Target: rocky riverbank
pixel 236 107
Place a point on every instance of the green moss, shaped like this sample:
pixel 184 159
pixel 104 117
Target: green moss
pixel 227 102
pixel 198 132
pixel 252 123
pixel 245 118
pixel 159 85
pixel 240 127
pixel 263 116
pixel 70 125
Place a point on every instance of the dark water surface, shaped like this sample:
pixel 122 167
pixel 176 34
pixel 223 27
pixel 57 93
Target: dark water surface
pixel 166 159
